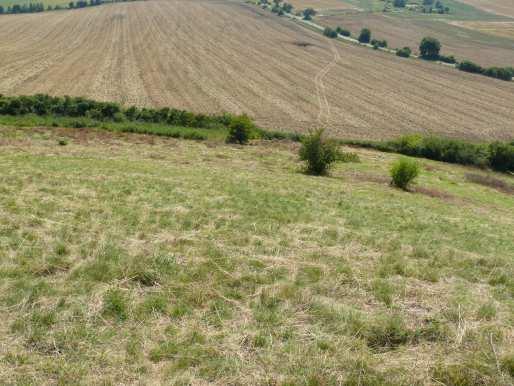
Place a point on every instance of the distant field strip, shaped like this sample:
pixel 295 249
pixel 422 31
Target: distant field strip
pixel 213 56
pixel 465 39
pixel 321 4
pixel 498 28
pixel 498 7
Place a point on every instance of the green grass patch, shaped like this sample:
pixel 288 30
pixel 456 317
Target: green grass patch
pixel 31 120
pixel 206 263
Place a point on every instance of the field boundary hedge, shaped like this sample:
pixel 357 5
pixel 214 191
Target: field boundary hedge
pixel 496 155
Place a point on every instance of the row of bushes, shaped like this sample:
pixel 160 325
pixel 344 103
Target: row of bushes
pixel 39 7
pixel 503 73
pixel 364 36
pixel 430 48
pixel 42 104
pixel 497 155
pixel 23 8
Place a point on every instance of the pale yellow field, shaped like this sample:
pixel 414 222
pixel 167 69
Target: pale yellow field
pixel 320 4
pixel 499 7
pixel 212 56
pixel 497 28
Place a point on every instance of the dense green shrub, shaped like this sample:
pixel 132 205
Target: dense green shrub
pixel 448 59
pixel 308 13
pixel 404 52
pixel 440 149
pixel 429 48
pixel 403 172
pixel 501 157
pixel 503 73
pixel 343 31
pixel 499 73
pixel 239 130
pixel 318 152
pixel 469 66
pixel 379 43
pixel 329 32
pixel 365 36
pixel 78 107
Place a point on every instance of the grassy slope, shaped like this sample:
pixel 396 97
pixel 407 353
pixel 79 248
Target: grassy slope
pixel 128 258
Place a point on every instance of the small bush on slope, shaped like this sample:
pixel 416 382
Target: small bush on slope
pixel 403 172
pixel 319 153
pixel 239 130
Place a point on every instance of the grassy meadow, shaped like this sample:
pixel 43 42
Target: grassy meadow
pixel 135 259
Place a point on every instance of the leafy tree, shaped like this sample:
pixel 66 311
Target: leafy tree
pixel 309 13
pixel 399 3
pixel 287 8
pixel 365 36
pixel 430 48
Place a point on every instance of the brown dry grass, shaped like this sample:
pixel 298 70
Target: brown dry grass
pixel 211 56
pixel 465 42
pixel 491 182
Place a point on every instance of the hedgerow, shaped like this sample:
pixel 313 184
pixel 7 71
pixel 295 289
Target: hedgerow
pixel 498 155
pixel 78 107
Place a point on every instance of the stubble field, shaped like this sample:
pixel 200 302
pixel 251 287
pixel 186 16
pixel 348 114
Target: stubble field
pixel 212 56
pixel 487 43
pixel 499 7
pixel 321 4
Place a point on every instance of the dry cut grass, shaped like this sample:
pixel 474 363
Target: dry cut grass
pixel 212 56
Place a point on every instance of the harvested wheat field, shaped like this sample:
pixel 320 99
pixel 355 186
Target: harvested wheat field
pixel 242 59
pixel 465 40
pixel 497 28
pixel 498 7
pixel 320 5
